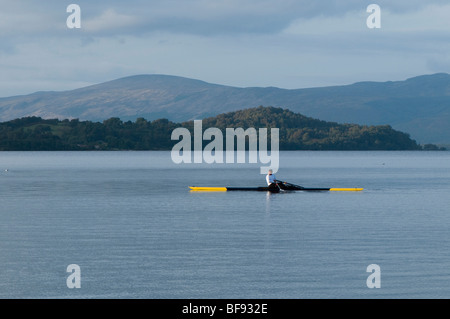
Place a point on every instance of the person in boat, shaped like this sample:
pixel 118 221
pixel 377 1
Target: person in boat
pixel 271 180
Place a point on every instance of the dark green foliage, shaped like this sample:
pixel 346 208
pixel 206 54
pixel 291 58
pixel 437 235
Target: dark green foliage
pixel 33 133
pixel 297 132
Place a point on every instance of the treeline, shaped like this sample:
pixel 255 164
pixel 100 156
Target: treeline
pixel 297 132
pixel 37 134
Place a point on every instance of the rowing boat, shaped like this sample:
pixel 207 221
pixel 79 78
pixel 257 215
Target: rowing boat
pixel 282 187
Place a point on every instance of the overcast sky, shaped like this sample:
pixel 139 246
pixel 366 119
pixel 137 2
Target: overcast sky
pixel 282 43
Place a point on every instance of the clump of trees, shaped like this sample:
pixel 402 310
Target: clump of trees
pixel 35 133
pixel 298 132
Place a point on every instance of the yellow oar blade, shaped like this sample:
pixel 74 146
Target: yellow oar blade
pixel 208 189
pixel 346 189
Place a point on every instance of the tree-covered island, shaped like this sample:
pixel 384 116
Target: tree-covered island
pixel 296 132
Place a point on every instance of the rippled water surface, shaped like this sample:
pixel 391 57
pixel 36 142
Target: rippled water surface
pixel 130 222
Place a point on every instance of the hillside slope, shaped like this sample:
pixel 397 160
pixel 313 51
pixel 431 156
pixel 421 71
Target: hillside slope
pixel 419 106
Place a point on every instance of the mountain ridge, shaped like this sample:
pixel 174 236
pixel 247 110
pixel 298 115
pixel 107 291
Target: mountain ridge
pixel 419 105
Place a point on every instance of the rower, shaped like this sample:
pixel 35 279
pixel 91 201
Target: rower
pixel 271 180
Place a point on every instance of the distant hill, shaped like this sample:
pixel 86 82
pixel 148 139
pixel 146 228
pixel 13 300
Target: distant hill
pixel 419 106
pixel 296 132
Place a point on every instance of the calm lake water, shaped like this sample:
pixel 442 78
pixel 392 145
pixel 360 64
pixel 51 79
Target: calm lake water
pixel 130 222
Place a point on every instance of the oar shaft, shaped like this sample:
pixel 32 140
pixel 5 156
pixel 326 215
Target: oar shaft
pixel 346 189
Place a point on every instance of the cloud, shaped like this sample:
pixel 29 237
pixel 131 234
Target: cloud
pixel 284 43
pixel 16 21
pixel 236 17
pixel 414 33
pixel 200 17
pixel 110 20
pixel 430 18
pixel 434 18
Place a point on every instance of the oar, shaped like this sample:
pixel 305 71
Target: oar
pixel 286 183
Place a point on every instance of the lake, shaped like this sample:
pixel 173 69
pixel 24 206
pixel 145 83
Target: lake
pixel 129 221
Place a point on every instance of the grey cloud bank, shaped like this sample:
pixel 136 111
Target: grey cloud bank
pixel 289 44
